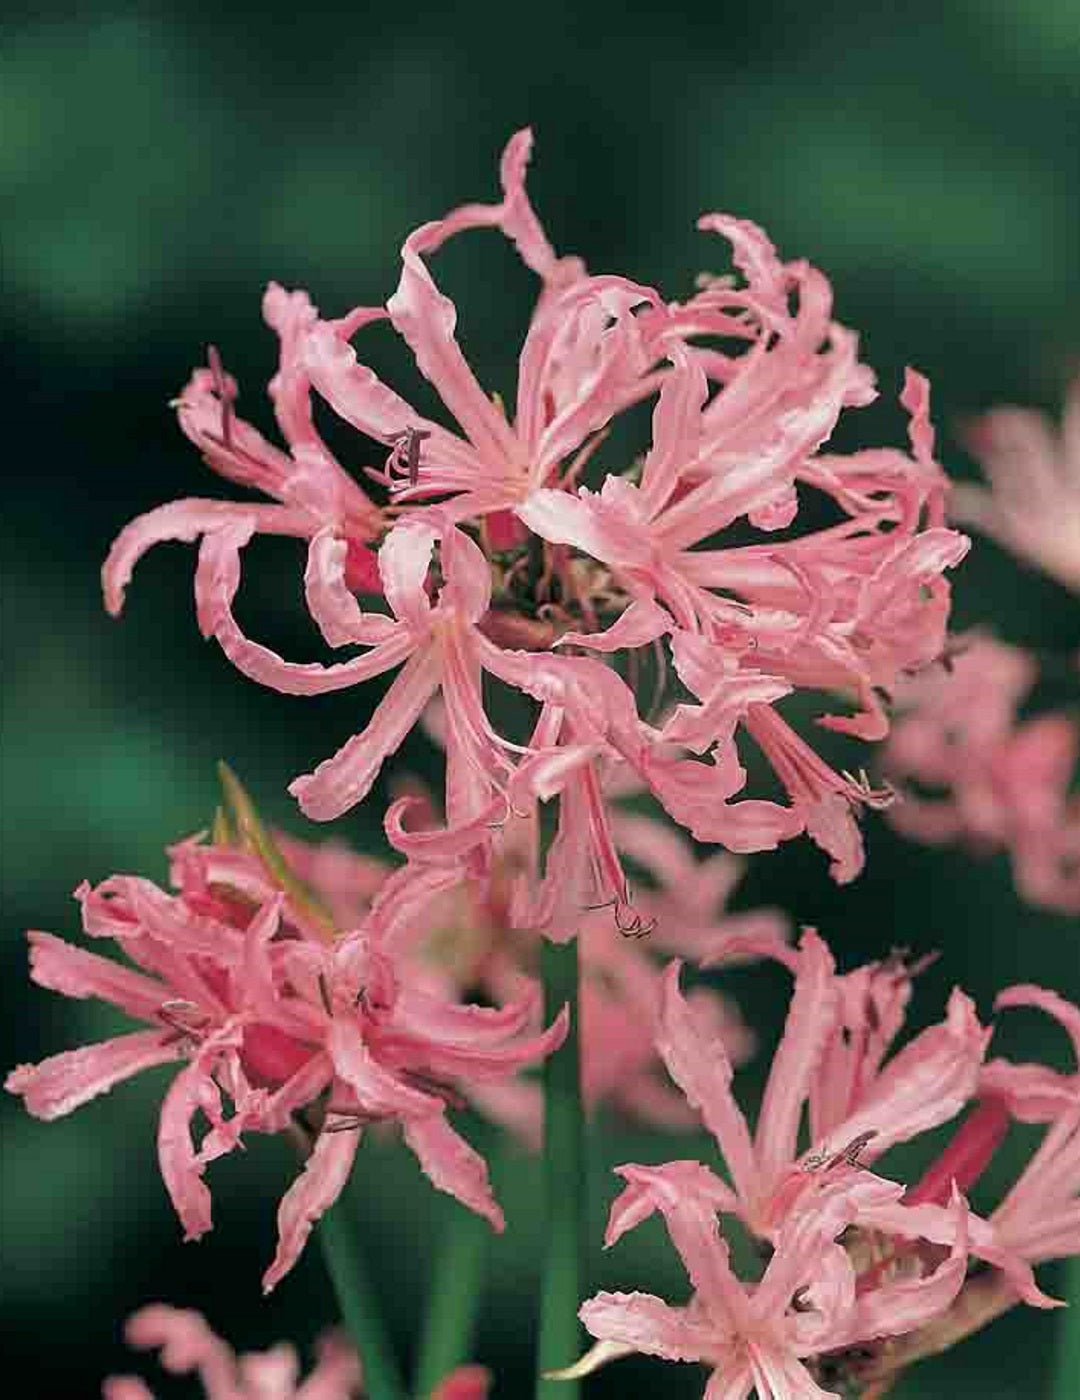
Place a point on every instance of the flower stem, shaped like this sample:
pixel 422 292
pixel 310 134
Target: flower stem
pixel 454 1298
pixel 564 1186
pixel 357 1303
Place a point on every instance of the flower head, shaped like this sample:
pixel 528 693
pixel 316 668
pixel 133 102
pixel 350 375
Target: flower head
pixel 496 565
pixel 272 1021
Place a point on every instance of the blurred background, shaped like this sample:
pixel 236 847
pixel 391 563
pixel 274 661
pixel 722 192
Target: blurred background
pixel 158 164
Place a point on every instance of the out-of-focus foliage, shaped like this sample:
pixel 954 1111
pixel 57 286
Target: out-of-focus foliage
pixel 158 164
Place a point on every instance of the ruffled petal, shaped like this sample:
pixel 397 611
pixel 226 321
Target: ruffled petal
pixel 66 1081
pixel 703 1072
pixel 345 779
pixel 312 1193
pixel 453 1166
pixel 217 580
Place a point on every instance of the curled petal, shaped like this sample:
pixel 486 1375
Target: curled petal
pixel 452 1165
pixel 185 521
pixel 343 780
pixel 313 1192
pixel 217 580
pixel 331 603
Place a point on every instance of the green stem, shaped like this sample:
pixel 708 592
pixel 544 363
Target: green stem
pixel 1068 1357
pixel 564 1185
pixel 454 1298
pixel 358 1303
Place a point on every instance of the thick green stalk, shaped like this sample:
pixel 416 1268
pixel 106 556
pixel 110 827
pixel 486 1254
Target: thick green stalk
pixel 453 1298
pixel 564 1181
pixel 357 1302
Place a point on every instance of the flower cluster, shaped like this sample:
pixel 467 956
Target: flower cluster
pixel 485 562
pixel 864 1274
pixel 968 769
pixel 576 630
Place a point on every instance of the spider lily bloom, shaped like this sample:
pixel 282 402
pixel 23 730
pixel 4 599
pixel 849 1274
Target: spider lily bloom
pixel 832 1058
pixel 998 782
pixel 188 1347
pixel 1039 1217
pixel 778 1337
pixel 1032 504
pixel 269 1018
pixel 314 496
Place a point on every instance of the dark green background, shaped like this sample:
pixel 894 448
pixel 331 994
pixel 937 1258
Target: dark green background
pixel 158 165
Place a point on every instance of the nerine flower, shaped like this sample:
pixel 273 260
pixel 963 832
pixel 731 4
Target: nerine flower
pixel 776 1337
pixel 1038 1219
pixel 970 769
pixel 271 1019
pixel 188 1346
pixel 1031 505
pixel 495 562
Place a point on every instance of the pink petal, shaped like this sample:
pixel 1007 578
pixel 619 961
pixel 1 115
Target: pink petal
pixel 345 779
pixel 809 1024
pixel 217 580
pixel 337 614
pixel 647 1324
pixel 676 434
pixel 637 625
pixel 77 973
pixel 426 319
pixel 703 1072
pixel 66 1081
pixel 186 521
pixel 379 1091
pixel 452 1165
pixel 314 1191
pixel 358 395
pixel 926 1083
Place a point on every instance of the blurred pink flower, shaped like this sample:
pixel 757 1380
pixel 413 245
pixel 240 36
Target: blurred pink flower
pixel 969 769
pixel 1032 504
pixel 188 1346
pixel 270 1018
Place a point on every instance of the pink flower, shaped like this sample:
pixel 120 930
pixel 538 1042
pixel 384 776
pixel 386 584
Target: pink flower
pixel 832 1059
pixel 1039 1217
pixel 751 381
pixel 270 1018
pixel 778 1337
pixel 998 782
pixel 1032 506
pixel 189 1347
